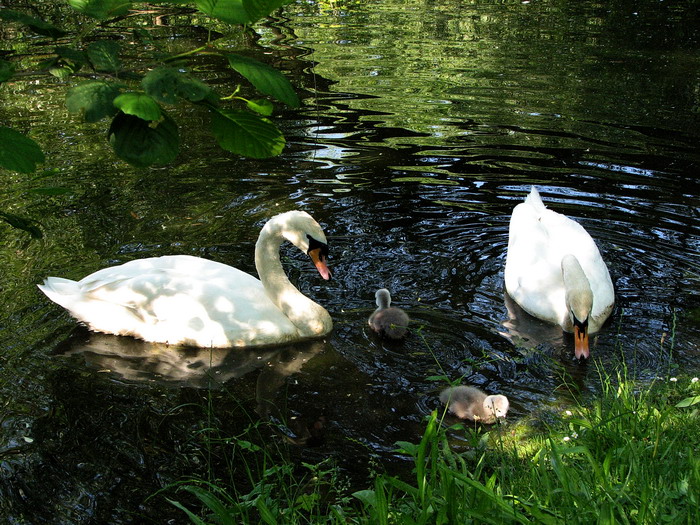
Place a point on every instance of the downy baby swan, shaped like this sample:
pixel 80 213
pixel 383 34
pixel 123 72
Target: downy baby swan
pixel 468 402
pixel 554 271
pixel 185 300
pixel 387 320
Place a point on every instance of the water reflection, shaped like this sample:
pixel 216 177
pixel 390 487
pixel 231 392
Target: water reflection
pixel 131 360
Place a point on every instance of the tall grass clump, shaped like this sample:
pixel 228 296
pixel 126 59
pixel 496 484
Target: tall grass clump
pixel 629 457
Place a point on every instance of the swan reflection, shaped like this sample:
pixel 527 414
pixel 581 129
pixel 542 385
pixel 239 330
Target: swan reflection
pixel 132 360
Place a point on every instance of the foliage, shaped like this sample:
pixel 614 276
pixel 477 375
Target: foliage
pixel 629 457
pixel 132 95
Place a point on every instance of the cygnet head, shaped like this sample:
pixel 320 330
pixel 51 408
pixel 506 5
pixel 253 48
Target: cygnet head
pixel 383 298
pixel 468 402
pixel 496 407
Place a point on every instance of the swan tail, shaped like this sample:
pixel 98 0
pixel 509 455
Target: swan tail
pixel 61 291
pixel 534 200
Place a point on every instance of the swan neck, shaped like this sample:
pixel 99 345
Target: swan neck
pixel 309 318
pixel 579 296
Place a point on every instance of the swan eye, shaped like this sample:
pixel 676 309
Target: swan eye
pixel 317 245
pixel 582 325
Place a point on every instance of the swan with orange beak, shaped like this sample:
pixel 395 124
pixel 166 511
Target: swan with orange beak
pixel 555 272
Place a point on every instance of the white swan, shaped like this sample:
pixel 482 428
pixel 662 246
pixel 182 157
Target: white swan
pixel 180 299
pixel 388 320
pixel 554 271
pixel 468 402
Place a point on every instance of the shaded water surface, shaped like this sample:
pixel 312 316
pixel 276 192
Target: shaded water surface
pixel 422 127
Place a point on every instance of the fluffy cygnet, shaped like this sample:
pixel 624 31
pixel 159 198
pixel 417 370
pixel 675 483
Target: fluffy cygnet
pixel 387 320
pixel 467 402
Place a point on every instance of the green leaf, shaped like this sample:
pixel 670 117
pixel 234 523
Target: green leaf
pixel 93 98
pixel 265 78
pixel 246 134
pixel 261 106
pixel 166 84
pixel 193 517
pixel 22 223
pixel 141 143
pixel 104 55
pixel 61 71
pixel 35 24
pixel 239 11
pixel 688 401
pixel 139 105
pixel 367 497
pixel 101 9
pixel 265 512
pixel 7 69
pixel 231 11
pixel 18 152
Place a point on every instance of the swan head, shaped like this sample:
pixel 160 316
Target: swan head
pixel 383 298
pixel 579 302
pixel 300 228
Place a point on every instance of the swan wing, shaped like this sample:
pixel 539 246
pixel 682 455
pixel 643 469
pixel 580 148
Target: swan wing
pixel 176 300
pixel 533 273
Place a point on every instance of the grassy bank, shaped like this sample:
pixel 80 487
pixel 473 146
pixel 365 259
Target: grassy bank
pixel 629 456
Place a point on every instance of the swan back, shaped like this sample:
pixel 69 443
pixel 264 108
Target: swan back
pixel 539 240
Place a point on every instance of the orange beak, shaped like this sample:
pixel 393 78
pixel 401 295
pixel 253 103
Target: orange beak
pixel 581 342
pixel 319 261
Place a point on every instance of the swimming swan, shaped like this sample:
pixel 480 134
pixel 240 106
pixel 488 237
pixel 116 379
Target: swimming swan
pixel 180 299
pixel 468 402
pixel 554 271
pixel 387 320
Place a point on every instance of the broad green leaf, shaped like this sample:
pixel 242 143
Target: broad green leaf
pixel 104 55
pixel 265 78
pixel 7 69
pixel 688 401
pixel 261 106
pixel 246 134
pixel 35 24
pixel 166 84
pixel 61 71
pixel 101 9
pixel 22 223
pixel 94 99
pixel 230 11
pixel 239 11
pixel 18 152
pixel 141 143
pixel 139 105
pixel 368 497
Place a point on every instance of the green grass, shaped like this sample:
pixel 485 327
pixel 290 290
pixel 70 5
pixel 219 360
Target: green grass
pixel 629 456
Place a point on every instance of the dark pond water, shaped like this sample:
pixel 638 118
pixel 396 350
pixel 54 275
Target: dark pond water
pixel 423 124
